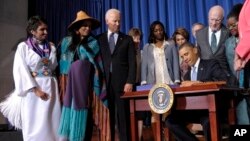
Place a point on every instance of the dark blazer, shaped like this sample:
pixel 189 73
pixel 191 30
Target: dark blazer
pixel 123 60
pixel 206 50
pixel 208 70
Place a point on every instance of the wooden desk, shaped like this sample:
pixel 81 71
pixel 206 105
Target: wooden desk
pixel 194 97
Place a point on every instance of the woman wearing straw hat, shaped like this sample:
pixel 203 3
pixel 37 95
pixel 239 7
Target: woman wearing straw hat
pixel 81 82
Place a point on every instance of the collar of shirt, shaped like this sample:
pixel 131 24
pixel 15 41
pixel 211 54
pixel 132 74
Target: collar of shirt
pixel 217 34
pixel 196 65
pixel 115 35
pixel 163 45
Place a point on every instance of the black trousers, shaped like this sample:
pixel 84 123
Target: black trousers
pixel 177 121
pixel 119 114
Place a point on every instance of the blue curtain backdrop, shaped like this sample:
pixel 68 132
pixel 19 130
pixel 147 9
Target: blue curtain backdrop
pixel 135 13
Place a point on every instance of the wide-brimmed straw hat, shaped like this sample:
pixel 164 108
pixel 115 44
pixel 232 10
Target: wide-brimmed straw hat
pixel 82 16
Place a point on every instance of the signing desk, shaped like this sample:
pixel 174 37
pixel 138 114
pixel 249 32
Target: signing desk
pixel 192 97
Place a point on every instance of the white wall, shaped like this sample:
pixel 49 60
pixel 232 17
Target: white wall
pixel 13 19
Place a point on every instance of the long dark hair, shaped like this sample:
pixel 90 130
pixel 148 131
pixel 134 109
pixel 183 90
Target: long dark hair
pixel 151 38
pixel 76 39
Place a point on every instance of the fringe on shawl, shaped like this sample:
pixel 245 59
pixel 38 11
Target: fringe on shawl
pixel 73 123
pixel 11 109
pixel 101 118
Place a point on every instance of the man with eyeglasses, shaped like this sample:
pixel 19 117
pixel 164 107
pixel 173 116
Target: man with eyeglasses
pixel 210 39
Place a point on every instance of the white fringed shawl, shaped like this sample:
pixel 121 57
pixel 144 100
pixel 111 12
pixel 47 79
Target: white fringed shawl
pixel 11 109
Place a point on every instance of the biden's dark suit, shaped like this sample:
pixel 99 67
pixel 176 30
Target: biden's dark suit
pixel 123 60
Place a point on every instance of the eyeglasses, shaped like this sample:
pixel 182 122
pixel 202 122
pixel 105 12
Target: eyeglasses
pixel 216 20
pixel 231 26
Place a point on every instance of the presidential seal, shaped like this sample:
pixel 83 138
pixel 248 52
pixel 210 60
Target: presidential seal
pixel 161 98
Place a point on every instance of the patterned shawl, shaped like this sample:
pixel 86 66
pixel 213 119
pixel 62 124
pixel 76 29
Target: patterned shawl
pixel 80 87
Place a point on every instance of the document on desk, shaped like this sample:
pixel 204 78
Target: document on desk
pixel 149 86
pixel 200 83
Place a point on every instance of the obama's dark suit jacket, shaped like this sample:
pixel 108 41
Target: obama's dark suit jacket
pixel 208 70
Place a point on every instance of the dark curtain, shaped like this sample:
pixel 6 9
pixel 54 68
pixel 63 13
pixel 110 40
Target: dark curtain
pixel 135 13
